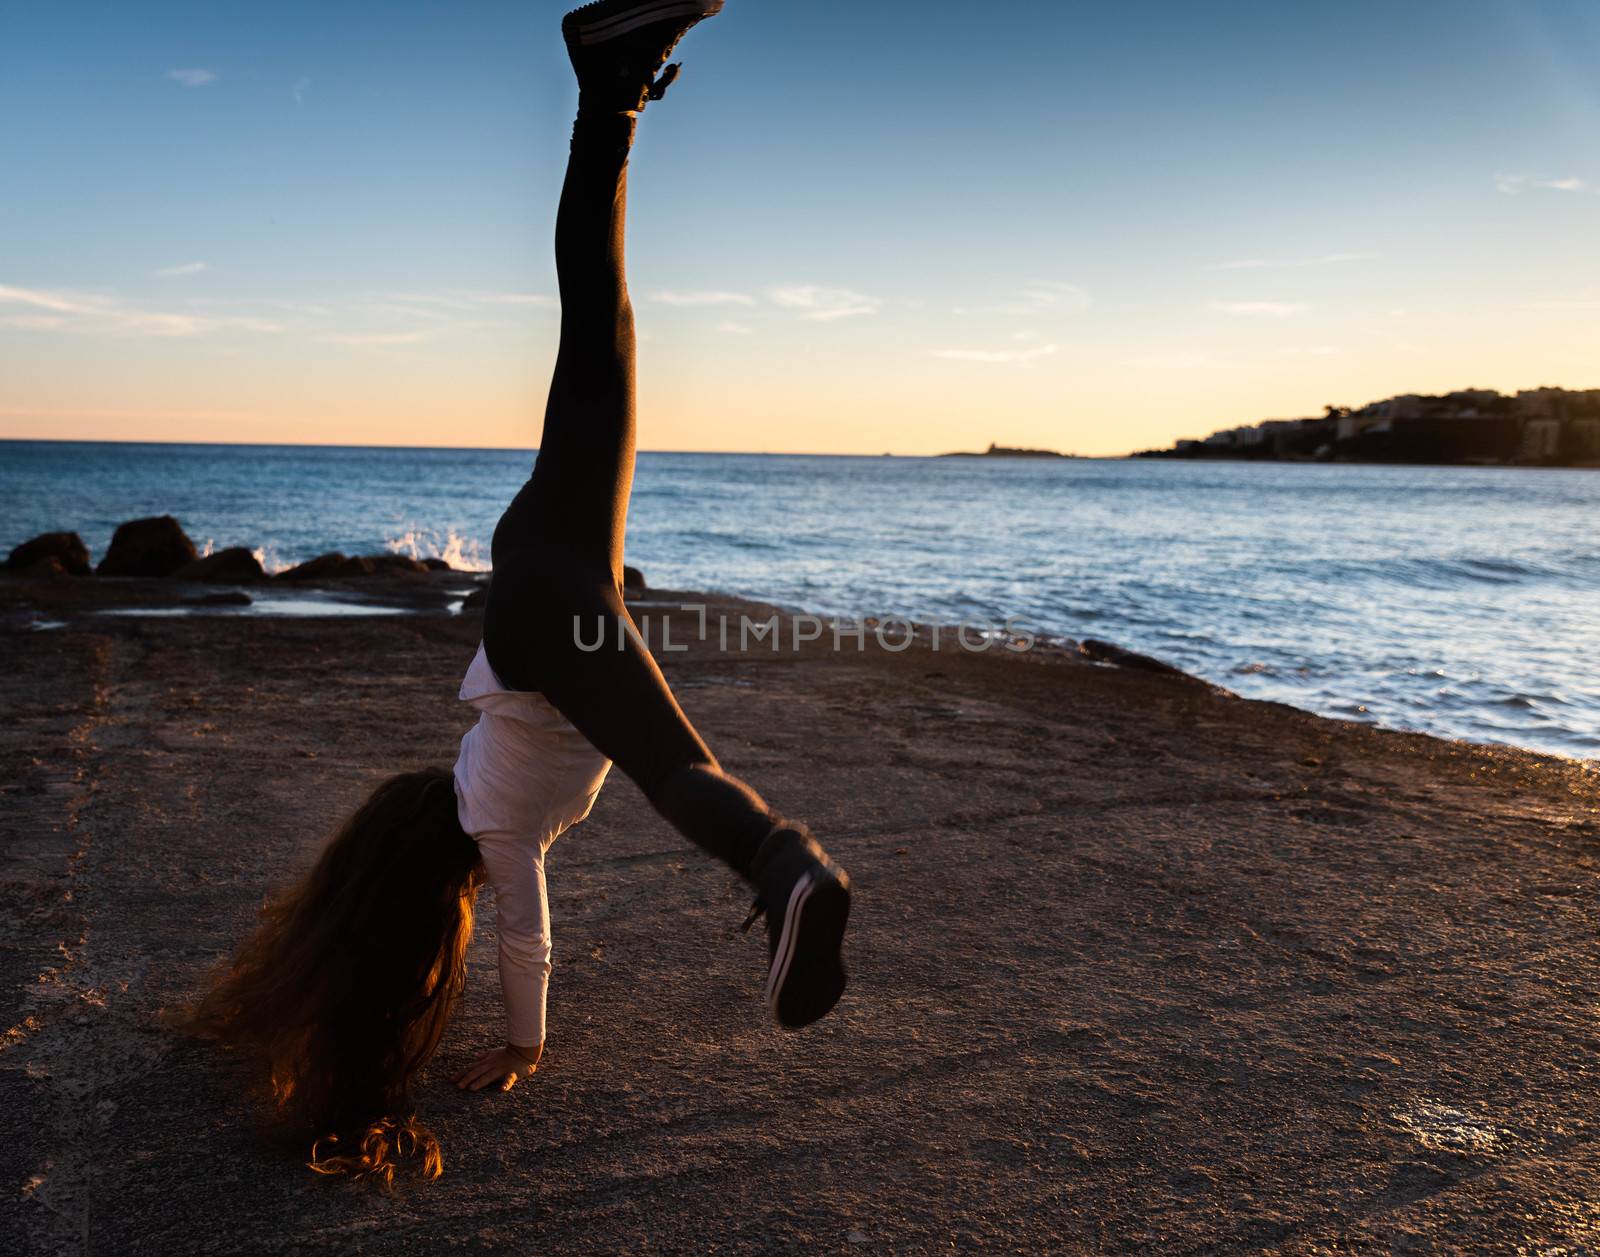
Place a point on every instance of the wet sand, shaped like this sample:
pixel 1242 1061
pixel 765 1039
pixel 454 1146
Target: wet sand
pixel 1138 966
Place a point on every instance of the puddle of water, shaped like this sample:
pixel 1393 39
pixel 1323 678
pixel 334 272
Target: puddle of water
pixel 265 606
pixel 700 683
pixel 1441 1128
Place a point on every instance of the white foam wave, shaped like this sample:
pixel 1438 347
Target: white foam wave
pixel 271 562
pixel 462 553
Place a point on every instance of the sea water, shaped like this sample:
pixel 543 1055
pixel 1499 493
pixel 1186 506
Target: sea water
pixel 1457 601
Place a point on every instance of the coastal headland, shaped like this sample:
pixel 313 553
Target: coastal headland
pixel 1537 427
pixel 1138 966
pixel 1007 451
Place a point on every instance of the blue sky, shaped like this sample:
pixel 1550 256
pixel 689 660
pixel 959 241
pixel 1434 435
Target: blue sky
pixel 856 227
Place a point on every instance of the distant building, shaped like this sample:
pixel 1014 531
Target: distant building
pixel 1349 427
pixel 1456 438
pixel 1541 440
pixel 1557 403
pixel 1408 406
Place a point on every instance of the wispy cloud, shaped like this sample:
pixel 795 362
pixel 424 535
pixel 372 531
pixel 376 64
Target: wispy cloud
pixel 193 77
pixel 457 309
pixel 1260 309
pixel 711 297
pixel 1048 294
pixel 467 299
pixel 1296 263
pixel 1512 184
pixel 426 315
pixel 538 299
pixel 733 329
pixel 401 318
pixel 39 299
pixel 185 268
pixel 994 355
pixel 302 85
pixel 376 339
pixel 95 314
pixel 1035 297
pixel 823 305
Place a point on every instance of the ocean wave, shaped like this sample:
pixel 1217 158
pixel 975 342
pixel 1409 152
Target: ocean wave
pixel 736 539
pixel 271 561
pixel 464 554
pixel 1435 572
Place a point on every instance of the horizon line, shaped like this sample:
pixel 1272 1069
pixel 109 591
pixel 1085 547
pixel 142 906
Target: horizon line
pixel 529 449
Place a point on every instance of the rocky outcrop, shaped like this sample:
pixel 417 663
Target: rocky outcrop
pixel 232 566
pixel 1110 652
pixel 319 568
pixel 337 566
pixel 65 549
pixel 148 547
pixel 392 564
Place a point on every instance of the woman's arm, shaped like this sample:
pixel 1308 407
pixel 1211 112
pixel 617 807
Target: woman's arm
pixel 515 865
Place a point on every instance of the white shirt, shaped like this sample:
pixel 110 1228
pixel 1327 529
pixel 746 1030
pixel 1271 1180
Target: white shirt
pixel 524 775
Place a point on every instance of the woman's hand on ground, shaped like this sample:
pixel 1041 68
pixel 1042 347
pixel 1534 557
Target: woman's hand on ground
pixel 502 1066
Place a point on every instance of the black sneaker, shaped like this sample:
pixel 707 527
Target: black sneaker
pixel 806 899
pixel 617 46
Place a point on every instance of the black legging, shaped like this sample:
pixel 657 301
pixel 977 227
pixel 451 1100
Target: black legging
pixel 558 548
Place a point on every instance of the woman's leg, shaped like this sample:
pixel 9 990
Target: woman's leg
pixel 558 549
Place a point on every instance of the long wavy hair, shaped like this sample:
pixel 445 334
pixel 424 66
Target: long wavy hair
pixel 346 985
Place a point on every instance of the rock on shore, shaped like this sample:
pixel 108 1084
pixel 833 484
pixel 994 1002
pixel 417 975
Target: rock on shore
pixel 337 566
pixel 158 547
pixel 232 566
pixel 148 547
pixel 323 567
pixel 64 549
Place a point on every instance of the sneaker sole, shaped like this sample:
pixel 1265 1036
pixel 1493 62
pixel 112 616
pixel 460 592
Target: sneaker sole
pixel 596 30
pixel 807 976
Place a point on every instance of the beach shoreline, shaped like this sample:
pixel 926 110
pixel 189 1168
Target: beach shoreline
pixel 37 604
pixel 1428 599
pixel 1139 965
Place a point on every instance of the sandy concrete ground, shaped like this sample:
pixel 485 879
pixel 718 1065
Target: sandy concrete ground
pixel 1138 966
